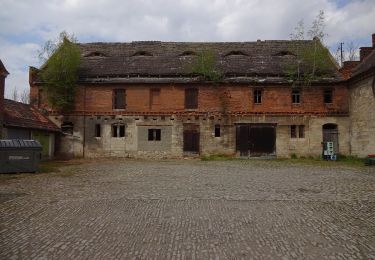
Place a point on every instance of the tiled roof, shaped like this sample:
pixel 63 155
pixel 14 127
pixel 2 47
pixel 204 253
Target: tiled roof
pixel 367 64
pixel 174 59
pixel 3 70
pixel 17 114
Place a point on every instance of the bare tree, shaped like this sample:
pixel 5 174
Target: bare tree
pixel 25 97
pixel 351 51
pixel 14 94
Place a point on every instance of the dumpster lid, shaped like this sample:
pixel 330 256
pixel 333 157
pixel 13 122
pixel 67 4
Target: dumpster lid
pixel 19 143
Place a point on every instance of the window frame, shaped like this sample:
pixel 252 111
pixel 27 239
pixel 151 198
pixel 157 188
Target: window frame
pixel 257 96
pixel 325 92
pixel 191 98
pixel 118 130
pixel 154 135
pixel 115 93
pixel 297 131
pixel 296 96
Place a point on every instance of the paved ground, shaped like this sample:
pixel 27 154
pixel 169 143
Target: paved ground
pixel 189 210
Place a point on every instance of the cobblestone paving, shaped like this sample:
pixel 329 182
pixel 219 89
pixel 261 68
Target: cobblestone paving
pixel 129 209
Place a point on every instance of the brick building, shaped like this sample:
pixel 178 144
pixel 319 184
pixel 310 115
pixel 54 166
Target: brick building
pixel 141 99
pixel 22 121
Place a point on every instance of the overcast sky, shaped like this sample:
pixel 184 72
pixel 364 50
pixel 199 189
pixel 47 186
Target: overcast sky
pixel 25 25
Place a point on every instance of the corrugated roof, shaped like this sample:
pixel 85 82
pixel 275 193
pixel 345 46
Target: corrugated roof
pixel 19 143
pixel 17 114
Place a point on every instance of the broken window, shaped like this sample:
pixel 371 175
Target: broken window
pixel 191 98
pixel 297 131
pixel 118 130
pixel 328 96
pixel 98 130
pixel 217 131
pixel 119 99
pixel 155 97
pixel 154 134
pixel 67 128
pixel 296 96
pixel 257 96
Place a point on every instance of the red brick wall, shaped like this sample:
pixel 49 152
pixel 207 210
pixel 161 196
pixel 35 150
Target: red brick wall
pixel 235 98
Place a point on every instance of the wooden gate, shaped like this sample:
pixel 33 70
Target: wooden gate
pixel 255 139
pixel 191 138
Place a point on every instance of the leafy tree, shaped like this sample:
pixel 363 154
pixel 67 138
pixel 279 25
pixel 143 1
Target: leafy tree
pixel 312 59
pixel 205 65
pixel 59 73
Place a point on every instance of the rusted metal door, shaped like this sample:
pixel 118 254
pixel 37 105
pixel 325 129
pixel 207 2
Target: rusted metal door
pixel 255 139
pixel 191 138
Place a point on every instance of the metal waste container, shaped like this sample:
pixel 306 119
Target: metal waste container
pixel 19 155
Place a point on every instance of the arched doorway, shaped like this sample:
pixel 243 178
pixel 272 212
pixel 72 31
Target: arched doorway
pixel 331 134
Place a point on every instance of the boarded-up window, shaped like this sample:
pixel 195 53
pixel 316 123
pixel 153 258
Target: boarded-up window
pixel 301 131
pixel 328 96
pixel 293 131
pixel 257 96
pixel 119 99
pixel 296 96
pixel 155 97
pixel 154 134
pixel 118 130
pixel 191 98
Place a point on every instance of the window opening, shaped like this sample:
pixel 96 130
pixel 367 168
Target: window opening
pixel 119 99
pixel 118 130
pixel 98 131
pixel 191 98
pixel 296 96
pixel 154 134
pixel 217 131
pixel 328 96
pixel 257 96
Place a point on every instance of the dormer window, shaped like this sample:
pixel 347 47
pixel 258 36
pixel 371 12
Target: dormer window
pixel 95 54
pixel 142 53
pixel 284 53
pixel 188 53
pixel 235 53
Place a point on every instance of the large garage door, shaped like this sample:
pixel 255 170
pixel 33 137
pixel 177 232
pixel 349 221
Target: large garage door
pixel 255 139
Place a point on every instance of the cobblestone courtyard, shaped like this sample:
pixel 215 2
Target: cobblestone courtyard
pixel 129 209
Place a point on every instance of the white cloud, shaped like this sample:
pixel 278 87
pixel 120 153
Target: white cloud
pixel 26 24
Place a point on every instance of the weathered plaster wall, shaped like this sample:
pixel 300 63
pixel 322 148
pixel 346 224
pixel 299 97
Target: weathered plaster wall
pixel 136 144
pixel 362 116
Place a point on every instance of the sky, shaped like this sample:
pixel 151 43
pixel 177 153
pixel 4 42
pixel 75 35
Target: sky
pixel 25 25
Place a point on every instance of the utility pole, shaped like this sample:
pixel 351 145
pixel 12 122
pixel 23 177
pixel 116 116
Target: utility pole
pixel 341 55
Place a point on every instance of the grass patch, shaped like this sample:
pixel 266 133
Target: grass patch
pixel 341 160
pixel 217 157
